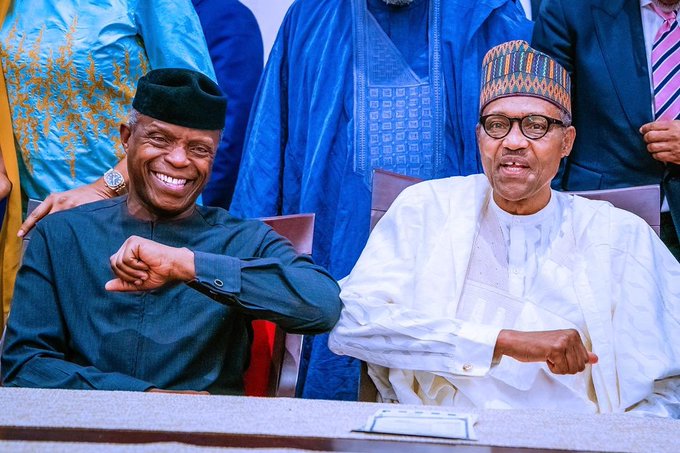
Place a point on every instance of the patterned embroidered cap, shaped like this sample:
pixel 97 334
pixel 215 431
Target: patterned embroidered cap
pixel 515 68
pixel 181 96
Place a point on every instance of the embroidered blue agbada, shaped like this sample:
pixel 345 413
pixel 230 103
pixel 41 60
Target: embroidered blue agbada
pixel 326 115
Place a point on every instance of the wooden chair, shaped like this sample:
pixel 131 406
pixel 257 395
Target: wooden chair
pixel 274 354
pixel 643 201
pixel 386 187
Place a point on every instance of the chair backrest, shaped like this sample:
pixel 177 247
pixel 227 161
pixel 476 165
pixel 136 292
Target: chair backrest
pixel 386 187
pixel 643 201
pixel 274 354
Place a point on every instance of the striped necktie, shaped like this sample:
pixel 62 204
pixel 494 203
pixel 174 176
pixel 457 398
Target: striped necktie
pixel 666 67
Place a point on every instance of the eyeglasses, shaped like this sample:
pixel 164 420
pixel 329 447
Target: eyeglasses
pixel 532 126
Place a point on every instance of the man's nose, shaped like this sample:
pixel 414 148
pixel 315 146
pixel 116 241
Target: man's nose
pixel 515 138
pixel 178 156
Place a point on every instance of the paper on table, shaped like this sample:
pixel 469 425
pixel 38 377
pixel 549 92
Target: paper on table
pixel 422 422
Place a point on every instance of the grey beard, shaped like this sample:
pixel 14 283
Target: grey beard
pixel 667 7
pixel 398 2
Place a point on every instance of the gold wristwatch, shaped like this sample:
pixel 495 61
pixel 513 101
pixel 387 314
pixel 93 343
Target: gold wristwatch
pixel 114 180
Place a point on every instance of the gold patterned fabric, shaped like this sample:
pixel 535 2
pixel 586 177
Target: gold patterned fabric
pixel 86 102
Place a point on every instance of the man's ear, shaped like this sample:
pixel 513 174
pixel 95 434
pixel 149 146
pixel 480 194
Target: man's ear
pixel 125 133
pixel 568 140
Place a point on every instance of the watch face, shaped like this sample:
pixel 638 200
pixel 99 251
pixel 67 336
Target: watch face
pixel 113 179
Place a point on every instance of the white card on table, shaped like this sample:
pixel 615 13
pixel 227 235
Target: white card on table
pixel 422 422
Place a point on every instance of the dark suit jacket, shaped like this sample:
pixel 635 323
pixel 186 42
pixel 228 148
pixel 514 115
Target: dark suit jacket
pixel 601 44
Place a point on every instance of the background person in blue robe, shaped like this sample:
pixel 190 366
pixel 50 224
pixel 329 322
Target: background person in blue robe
pixel 150 291
pixel 235 47
pixel 355 85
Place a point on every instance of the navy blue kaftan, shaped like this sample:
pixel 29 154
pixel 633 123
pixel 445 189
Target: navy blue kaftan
pixel 67 331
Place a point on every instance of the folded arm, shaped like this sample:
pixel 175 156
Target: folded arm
pixel 278 285
pixel 387 321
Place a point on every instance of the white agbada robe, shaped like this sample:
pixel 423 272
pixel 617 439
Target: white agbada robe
pixel 604 273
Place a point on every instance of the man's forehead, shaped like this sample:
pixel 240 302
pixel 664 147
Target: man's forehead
pixel 518 105
pixel 149 123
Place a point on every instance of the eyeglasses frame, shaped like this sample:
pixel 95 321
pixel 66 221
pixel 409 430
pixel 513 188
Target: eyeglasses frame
pixel 551 121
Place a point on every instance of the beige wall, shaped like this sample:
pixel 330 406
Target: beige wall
pixel 269 14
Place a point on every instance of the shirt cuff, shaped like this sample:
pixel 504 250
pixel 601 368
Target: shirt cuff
pixel 475 345
pixel 216 274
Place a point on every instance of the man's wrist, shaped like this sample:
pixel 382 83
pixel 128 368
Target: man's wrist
pixel 186 268
pixel 114 182
pixel 501 345
pixel 101 187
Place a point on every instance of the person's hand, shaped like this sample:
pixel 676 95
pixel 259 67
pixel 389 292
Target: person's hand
pixel 5 185
pixel 663 140
pixel 562 350
pixel 60 201
pixel 141 265
pixel 183 392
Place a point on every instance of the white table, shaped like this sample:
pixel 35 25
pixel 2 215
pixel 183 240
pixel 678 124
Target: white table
pixel 131 421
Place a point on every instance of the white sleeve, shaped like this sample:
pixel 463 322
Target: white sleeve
pixel 646 320
pixel 384 322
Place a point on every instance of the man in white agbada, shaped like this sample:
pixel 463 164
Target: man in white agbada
pixel 493 291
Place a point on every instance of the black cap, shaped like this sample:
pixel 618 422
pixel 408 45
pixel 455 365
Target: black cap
pixel 181 96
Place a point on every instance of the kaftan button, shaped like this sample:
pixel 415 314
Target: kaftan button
pixel 467 367
pixel 218 283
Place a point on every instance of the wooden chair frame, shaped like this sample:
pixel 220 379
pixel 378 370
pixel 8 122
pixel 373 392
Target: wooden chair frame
pixel 287 348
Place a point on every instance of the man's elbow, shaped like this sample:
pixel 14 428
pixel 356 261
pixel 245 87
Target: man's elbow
pixel 321 316
pixel 331 315
pixel 329 307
